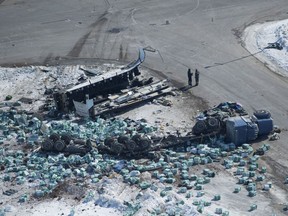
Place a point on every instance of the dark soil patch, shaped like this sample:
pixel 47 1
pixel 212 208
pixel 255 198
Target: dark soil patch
pixel 115 30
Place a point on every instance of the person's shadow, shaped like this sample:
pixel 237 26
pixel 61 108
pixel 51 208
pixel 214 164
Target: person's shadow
pixel 186 88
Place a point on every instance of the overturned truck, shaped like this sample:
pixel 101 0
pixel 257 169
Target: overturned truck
pixel 228 119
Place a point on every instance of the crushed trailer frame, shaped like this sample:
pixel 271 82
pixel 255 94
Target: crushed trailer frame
pixel 108 83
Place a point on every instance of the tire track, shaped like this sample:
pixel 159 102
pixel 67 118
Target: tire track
pixel 76 50
pixel 119 38
pixel 78 47
pixel 98 30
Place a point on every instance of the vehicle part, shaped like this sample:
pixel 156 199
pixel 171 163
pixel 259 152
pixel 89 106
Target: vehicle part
pixel 47 145
pixel 262 114
pixel 213 123
pixel 54 137
pixel 130 145
pixel 66 138
pixel 59 145
pixel 66 144
pixel 200 127
pixel 123 139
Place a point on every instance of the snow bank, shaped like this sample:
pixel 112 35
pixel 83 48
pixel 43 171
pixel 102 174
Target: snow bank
pixel 257 37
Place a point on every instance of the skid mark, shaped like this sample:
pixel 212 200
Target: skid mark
pixel 76 50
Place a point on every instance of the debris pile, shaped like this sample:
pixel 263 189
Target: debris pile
pixel 43 173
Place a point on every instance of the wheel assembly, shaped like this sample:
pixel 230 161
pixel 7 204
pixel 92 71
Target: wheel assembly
pixel 213 123
pixel 47 145
pixel 262 114
pixel 54 137
pixel 66 138
pixel 59 145
pixel 130 145
pixel 199 127
pixel 123 139
pixel 117 148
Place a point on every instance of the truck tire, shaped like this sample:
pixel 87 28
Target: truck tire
pixel 144 144
pixel 262 114
pixel 123 139
pixel 54 137
pixel 59 145
pixel 47 145
pixel 199 127
pixel 66 138
pixel 136 138
pixel 109 141
pixel 213 123
pixel 117 148
pixel 130 145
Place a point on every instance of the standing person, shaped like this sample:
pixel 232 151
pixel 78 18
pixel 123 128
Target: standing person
pixel 190 74
pixel 197 74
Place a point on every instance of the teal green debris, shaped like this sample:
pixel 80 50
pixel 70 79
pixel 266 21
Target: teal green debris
pixel 225 213
pixel 285 207
pixel 218 211
pixel 189 195
pixel 2 212
pixel 206 203
pixel 252 193
pixel 131 208
pixel 72 212
pixel 200 193
pixel 263 169
pixel 89 197
pixel 200 208
pixel 253 207
pixel 23 198
pixel 144 185
pixel 237 189
pixel 196 202
pixel 266 187
pixel 217 197
pixel 260 178
pixel 199 187
pixel 182 190
pixel 163 193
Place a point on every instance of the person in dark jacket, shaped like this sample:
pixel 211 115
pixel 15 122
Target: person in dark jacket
pixel 197 74
pixel 190 74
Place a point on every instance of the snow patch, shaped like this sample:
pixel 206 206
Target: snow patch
pixel 257 37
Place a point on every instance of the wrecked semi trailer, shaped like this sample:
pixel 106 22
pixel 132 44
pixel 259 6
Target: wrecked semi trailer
pixel 127 139
pixel 237 130
pixel 111 82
